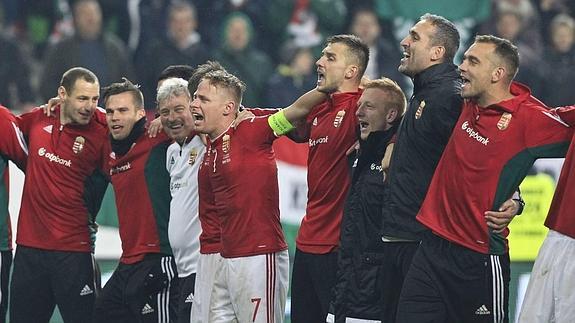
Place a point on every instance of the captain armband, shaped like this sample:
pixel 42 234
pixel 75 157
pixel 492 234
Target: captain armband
pixel 279 123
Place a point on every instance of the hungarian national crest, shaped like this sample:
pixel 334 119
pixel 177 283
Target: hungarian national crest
pixel 338 118
pixel 419 111
pixel 193 156
pixel 78 145
pixel 504 121
pixel 226 143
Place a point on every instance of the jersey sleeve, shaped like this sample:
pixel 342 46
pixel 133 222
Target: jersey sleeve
pixel 546 135
pixel 12 143
pixel 259 130
pixel 262 112
pixel 26 120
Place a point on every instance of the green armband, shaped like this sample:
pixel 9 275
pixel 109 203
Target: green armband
pixel 279 123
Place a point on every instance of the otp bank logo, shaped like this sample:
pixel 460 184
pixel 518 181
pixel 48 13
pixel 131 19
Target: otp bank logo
pixel 54 158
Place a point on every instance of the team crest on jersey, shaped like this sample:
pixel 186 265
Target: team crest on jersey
pixel 226 145
pixel 78 145
pixel 419 111
pixel 113 155
pixel 314 121
pixel 172 160
pixel 193 157
pixel 504 121
pixel 338 118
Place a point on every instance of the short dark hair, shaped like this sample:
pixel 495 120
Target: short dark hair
pixel 505 50
pixel 177 71
pixel 445 34
pixel 124 86
pixel 201 71
pixel 70 77
pixel 358 50
pixel 227 81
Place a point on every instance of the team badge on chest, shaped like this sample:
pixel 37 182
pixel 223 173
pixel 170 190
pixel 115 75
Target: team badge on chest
pixel 338 118
pixel 504 121
pixel 193 157
pixel 78 145
pixel 226 146
pixel 419 111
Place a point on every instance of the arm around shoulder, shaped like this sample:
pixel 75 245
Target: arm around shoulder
pixel 304 105
pixel 287 119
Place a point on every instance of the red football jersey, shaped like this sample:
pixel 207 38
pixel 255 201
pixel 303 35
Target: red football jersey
pixel 210 241
pixel 142 188
pixel 560 217
pixel 64 183
pixel 12 147
pixel 490 151
pixel 241 169
pixel 332 133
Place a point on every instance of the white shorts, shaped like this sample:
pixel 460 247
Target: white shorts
pixel 208 265
pixel 251 289
pixel 550 295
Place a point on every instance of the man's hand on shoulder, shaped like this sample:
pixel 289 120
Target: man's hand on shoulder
pixel 50 106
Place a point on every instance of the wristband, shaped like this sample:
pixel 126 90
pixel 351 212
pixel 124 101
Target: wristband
pixel 521 206
pixel 279 123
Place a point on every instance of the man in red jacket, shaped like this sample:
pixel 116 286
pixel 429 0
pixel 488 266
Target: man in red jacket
pixel 460 272
pixel 12 148
pixel 331 131
pixel 63 190
pixel 139 288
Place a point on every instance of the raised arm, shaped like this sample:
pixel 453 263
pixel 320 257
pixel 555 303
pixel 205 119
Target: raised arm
pixel 283 121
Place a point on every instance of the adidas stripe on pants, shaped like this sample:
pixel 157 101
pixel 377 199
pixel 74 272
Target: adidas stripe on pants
pixel 138 292
pixel 450 283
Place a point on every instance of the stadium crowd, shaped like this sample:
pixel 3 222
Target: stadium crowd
pixel 137 39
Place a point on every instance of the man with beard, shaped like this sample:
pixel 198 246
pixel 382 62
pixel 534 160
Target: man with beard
pixel 460 272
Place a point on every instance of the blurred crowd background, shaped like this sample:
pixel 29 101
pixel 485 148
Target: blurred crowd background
pixel 270 44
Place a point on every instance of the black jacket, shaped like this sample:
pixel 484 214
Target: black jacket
pixel 423 134
pixel 356 292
